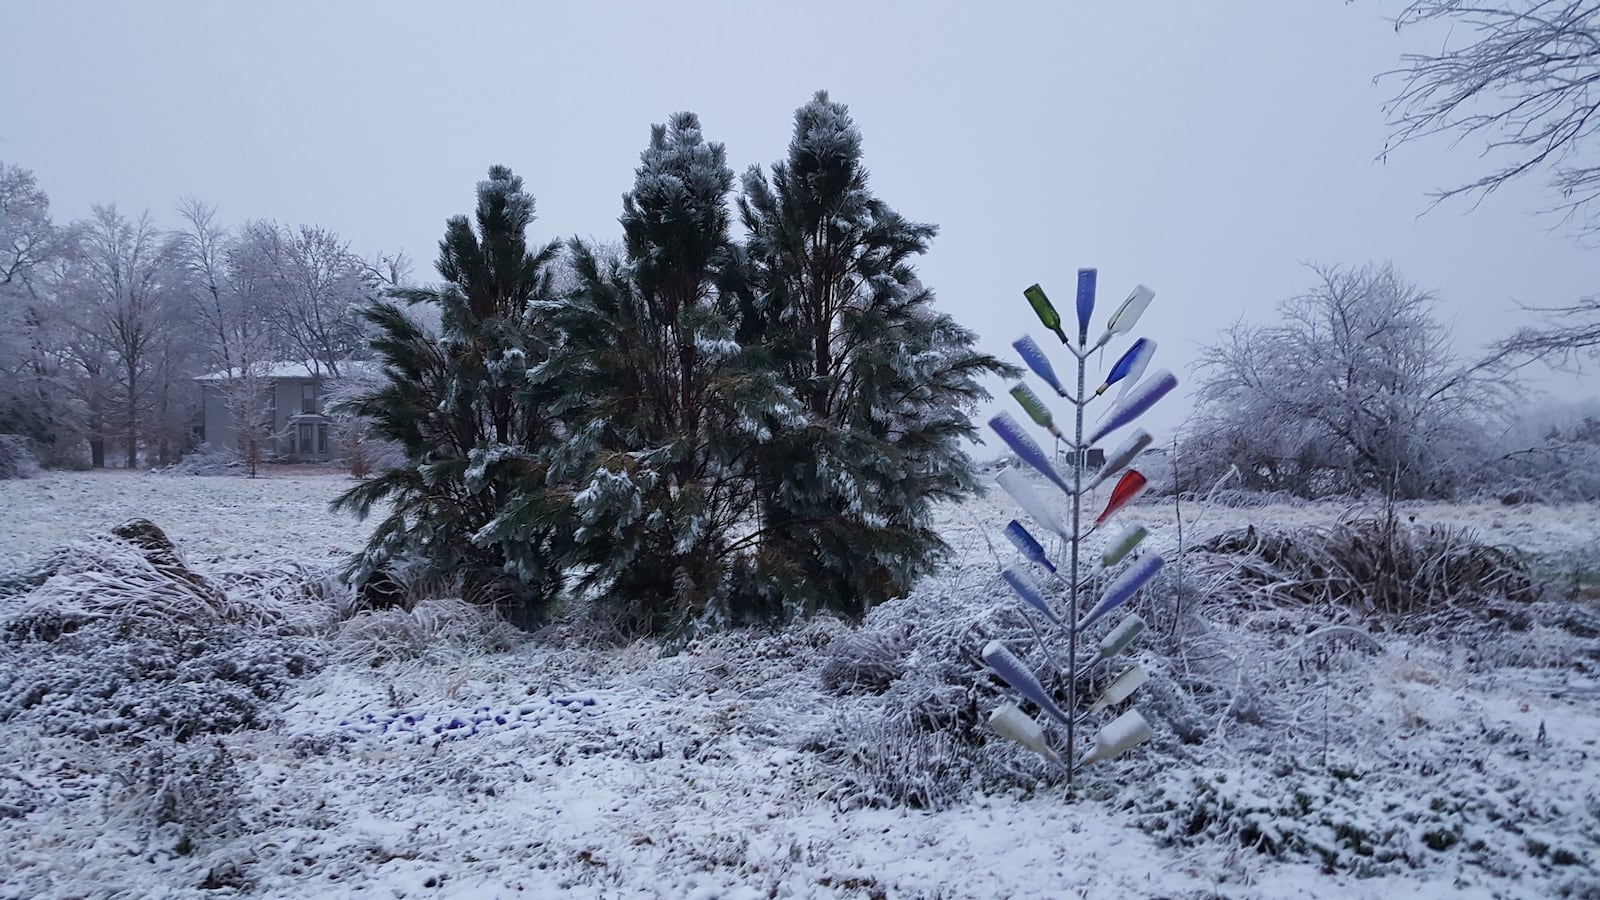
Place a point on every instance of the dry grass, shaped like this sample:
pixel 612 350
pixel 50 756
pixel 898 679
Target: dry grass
pixel 108 577
pixel 444 626
pixel 1373 566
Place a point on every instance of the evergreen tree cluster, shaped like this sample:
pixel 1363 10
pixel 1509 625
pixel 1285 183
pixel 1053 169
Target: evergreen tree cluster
pixel 691 429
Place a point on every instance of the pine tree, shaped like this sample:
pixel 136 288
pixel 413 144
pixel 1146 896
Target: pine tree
pixel 698 430
pixel 663 404
pixel 887 382
pixel 469 502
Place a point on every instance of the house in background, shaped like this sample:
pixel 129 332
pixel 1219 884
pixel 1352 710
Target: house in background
pixel 285 398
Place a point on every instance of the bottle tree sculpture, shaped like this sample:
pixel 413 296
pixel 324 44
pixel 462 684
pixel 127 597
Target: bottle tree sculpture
pixel 1132 572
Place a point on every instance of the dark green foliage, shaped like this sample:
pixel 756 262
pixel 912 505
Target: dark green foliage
pixel 695 431
pixel 887 382
pixel 474 437
pixel 662 403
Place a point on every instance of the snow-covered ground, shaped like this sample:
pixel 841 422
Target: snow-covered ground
pixel 434 754
pixel 212 519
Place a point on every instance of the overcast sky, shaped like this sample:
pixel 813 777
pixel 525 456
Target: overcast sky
pixel 1205 149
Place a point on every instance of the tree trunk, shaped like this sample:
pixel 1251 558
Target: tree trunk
pixel 133 420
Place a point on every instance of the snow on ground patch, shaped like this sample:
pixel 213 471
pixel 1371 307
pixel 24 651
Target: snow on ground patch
pixel 435 755
pixel 210 518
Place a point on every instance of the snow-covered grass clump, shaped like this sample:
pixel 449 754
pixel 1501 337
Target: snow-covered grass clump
pixel 123 642
pixel 444 626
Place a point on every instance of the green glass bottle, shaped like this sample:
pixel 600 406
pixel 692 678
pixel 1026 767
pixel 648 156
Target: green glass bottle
pixel 1035 408
pixel 1118 638
pixel 1047 313
pixel 1123 545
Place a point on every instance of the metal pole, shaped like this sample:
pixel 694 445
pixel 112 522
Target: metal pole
pixel 1081 353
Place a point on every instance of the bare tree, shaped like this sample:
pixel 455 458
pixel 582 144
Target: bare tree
pixel 1356 388
pixel 178 355
pixel 221 293
pixel 32 396
pixel 228 290
pixel 27 242
pixel 87 358
pixel 1522 76
pixel 247 395
pixel 131 275
pixel 387 271
pixel 28 239
pixel 312 286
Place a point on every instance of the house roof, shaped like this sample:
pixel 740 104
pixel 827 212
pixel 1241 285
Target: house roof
pixel 280 370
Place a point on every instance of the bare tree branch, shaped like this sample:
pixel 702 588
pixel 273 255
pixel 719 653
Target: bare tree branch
pixel 1524 78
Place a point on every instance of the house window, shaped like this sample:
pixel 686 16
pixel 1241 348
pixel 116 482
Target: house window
pixel 308 397
pixel 322 439
pixel 305 438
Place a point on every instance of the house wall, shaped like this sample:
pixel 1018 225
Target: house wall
pixel 287 396
pixel 217 425
pixel 301 439
pixel 294 438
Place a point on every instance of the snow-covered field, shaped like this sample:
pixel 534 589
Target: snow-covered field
pixel 326 753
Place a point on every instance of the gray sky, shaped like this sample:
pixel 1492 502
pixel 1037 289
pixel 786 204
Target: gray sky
pixel 1205 149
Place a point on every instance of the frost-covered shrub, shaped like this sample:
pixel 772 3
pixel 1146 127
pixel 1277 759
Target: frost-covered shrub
pixel 24 578
pixel 920 654
pixel 302 599
pixel 208 460
pixel 938 635
pixel 1166 702
pixel 888 762
pixel 752 654
pixel 1553 634
pixel 120 641
pixel 1549 453
pixel 133 682
pixel 912 728
pixel 16 458
pixel 1552 472
pixel 866 660
pixel 188 794
pixel 137 574
pixel 405 581
pixel 1231 498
